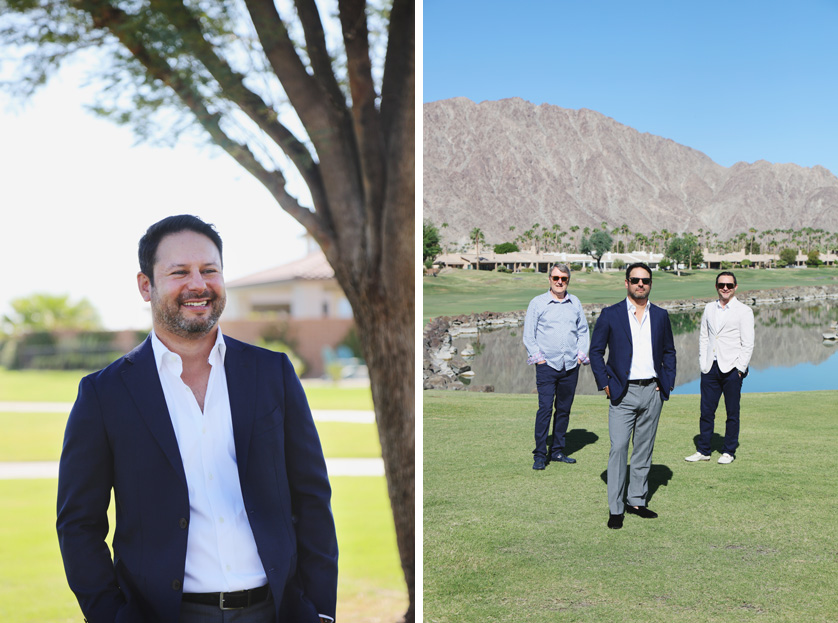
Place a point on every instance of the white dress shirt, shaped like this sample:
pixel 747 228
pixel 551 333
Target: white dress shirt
pixel 726 336
pixel 642 362
pixel 221 553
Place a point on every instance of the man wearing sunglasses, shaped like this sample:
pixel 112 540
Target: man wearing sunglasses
pixel 556 339
pixel 725 345
pixel 638 377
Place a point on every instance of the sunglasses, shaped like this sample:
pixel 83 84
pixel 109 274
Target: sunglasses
pixel 725 286
pixel 635 280
pixel 560 279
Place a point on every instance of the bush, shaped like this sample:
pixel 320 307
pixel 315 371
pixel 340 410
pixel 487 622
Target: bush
pixel 506 247
pixel 618 264
pixel 576 267
pixel 504 269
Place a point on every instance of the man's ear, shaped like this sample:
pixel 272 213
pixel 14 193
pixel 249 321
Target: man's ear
pixel 144 284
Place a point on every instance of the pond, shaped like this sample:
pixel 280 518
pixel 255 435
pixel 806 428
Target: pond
pixel 790 353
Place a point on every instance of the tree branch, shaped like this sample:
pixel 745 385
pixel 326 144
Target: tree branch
pixel 328 125
pixel 400 63
pixel 117 22
pixel 233 88
pixel 317 51
pixel 365 116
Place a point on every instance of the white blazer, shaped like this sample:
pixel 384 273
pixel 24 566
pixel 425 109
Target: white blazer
pixel 726 335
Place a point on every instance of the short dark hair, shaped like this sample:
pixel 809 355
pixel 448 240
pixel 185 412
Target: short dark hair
pixel 729 274
pixel 631 267
pixel 172 225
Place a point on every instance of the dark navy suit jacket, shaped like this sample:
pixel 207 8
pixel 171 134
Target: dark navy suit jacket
pixel 612 329
pixel 119 436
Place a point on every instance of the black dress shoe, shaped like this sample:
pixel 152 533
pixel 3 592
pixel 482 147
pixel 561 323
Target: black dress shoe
pixel 538 463
pixel 641 511
pixel 615 522
pixel 561 458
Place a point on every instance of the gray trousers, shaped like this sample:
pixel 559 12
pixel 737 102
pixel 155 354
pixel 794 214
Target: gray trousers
pixel 638 414
pixel 201 613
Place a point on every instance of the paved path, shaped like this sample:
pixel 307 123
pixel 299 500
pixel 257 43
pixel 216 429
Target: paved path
pixel 49 469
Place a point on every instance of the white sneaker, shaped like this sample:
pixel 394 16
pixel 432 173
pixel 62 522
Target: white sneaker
pixel 726 459
pixel 697 457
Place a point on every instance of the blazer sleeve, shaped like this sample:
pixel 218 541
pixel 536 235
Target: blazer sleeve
pixel 746 334
pixel 599 341
pixel 85 480
pixel 703 338
pixel 317 550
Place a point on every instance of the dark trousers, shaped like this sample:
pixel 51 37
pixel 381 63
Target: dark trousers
pixel 713 385
pixel 555 389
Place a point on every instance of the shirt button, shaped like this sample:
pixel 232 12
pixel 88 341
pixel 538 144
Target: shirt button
pixel 183 523
pixel 221 520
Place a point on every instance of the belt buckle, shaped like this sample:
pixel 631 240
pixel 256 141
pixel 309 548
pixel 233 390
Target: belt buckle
pixel 221 602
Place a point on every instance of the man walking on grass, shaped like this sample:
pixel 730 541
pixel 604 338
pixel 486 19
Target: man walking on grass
pixel 638 377
pixel 725 345
pixel 556 339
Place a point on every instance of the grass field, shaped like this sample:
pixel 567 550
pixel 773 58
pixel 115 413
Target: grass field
pixel 62 386
pixel 750 541
pixel 32 584
pixel 466 292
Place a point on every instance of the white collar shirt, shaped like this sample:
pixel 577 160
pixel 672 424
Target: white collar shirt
pixel 221 552
pixel 642 362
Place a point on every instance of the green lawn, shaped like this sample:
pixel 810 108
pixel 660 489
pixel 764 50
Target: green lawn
pixel 467 292
pixel 63 385
pixel 33 588
pixel 751 541
pixel 32 584
pixel 38 437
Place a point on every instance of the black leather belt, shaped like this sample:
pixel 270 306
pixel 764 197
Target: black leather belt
pixel 230 601
pixel 643 382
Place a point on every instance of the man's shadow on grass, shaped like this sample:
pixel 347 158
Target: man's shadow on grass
pixel 574 441
pixel 659 476
pixel 717 443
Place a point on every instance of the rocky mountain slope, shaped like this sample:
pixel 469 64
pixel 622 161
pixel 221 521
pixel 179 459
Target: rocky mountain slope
pixel 512 163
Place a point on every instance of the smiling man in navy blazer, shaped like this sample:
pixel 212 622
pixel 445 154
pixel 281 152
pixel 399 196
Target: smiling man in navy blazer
pixel 638 377
pixel 221 494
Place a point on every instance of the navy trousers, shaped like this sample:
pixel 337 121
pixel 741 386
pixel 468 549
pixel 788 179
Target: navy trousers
pixel 556 389
pixel 714 384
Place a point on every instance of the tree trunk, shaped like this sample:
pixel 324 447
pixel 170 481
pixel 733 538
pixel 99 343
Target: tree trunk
pixel 385 326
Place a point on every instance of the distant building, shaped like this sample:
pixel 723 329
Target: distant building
pixel 300 301
pixel 541 262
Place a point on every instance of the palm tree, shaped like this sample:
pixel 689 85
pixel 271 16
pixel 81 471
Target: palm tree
pixel 476 236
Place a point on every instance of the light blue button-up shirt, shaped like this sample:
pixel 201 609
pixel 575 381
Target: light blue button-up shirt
pixel 556 331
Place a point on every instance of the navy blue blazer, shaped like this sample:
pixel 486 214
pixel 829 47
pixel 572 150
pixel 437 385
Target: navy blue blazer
pixel 612 330
pixel 119 436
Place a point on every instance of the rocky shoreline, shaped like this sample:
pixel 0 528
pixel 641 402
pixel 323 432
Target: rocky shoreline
pixel 443 366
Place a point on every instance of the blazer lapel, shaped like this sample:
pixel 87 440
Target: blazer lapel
pixel 242 400
pixel 143 383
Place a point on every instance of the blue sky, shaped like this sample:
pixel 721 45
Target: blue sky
pixel 738 80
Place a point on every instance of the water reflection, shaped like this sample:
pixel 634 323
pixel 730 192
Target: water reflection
pixel 789 353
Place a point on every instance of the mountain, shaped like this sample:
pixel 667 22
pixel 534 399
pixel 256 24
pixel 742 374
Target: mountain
pixel 513 163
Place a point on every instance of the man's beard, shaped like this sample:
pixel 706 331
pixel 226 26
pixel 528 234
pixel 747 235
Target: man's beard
pixel 172 318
